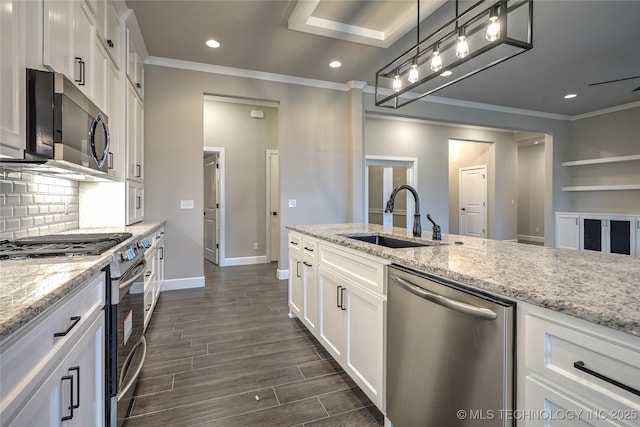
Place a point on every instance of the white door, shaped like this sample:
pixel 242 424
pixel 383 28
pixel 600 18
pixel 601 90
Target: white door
pixel 382 176
pixel 473 201
pixel 211 205
pixel 273 194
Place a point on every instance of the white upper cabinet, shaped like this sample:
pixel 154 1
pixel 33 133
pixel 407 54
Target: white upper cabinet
pixel 12 78
pixel 135 70
pixel 109 30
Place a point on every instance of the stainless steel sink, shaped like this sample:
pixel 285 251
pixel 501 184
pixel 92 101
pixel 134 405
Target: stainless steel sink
pixel 390 242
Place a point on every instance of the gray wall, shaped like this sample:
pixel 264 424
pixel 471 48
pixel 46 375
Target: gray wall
pixel 531 190
pixel 610 135
pixel 229 125
pixel 314 155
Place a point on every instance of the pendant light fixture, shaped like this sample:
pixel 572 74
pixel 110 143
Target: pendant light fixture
pixel 486 34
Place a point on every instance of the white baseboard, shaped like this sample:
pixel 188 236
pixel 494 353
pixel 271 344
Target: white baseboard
pixel 184 283
pixel 282 274
pixel 249 260
pixel 538 239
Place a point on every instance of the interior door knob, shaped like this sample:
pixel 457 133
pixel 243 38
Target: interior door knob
pixel 463 209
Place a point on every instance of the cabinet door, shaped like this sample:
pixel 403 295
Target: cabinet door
pixel 57 36
pixel 113 34
pixel 135 202
pixel 115 114
pixel 100 77
pixel 12 84
pixel 85 363
pixel 620 232
pixel 567 231
pixel 365 343
pixel 296 290
pixel 83 47
pixel 310 281
pixel 135 117
pixel 593 237
pixel 332 330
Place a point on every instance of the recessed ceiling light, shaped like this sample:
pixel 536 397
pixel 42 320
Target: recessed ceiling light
pixel 570 95
pixel 446 73
pixel 213 43
pixel 335 64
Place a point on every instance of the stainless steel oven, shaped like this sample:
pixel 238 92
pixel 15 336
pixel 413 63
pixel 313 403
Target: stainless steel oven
pixel 127 345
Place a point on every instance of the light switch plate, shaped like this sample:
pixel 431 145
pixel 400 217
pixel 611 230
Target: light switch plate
pixel 187 204
pixel 292 203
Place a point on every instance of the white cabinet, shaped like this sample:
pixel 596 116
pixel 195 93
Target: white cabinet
pixel 135 68
pixel 116 114
pixel 303 289
pixel 135 136
pixel 351 327
pixel 135 202
pixel 109 30
pixel 609 234
pixel 12 78
pixel 568 367
pixel 568 231
pixel 154 273
pixel 62 351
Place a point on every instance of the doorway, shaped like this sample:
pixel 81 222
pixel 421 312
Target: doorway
pixel 383 174
pixel 273 205
pixel 473 201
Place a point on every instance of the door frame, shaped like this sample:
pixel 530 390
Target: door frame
pixel 269 153
pixel 222 260
pixel 486 196
pixel 411 163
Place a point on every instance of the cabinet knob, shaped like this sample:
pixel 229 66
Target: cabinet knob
pixel 110 43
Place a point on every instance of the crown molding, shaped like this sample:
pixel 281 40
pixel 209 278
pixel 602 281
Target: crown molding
pixel 607 110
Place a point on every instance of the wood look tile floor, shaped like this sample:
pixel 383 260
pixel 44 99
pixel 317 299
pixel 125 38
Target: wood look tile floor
pixel 229 355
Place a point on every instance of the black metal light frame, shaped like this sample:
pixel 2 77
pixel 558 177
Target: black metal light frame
pixel 516 20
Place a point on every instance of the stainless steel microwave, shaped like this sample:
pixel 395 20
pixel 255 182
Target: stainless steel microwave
pixel 65 129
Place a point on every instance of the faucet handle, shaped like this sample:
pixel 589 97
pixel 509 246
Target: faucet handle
pixel 437 235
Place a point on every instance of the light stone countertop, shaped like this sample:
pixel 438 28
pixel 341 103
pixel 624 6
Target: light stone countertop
pixel 28 287
pixel 603 289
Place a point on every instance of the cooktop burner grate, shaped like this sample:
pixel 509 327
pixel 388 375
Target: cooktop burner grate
pixel 61 245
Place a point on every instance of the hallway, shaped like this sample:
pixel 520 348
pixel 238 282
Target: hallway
pixel 228 355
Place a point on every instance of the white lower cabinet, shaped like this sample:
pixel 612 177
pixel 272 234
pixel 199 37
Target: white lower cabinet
pixel 54 373
pixel 602 233
pixel 135 202
pixel 351 327
pixel 296 291
pixel 568 231
pixel 575 373
pixel 303 288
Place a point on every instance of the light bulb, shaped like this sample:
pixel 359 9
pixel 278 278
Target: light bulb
pixel 462 49
pixel 413 74
pixel 493 30
pixel 436 61
pixel 397 84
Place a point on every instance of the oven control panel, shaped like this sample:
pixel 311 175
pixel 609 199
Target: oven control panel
pixel 128 254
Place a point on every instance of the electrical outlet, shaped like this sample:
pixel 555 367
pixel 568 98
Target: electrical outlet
pixel 187 204
pixel 255 246
pixel 292 203
pixel 537 229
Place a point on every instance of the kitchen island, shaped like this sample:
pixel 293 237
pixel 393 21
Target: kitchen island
pixel 602 289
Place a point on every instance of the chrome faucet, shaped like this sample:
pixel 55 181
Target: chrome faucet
pixel 417 229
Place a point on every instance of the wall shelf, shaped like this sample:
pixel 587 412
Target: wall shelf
pixel 603 187
pixel 602 160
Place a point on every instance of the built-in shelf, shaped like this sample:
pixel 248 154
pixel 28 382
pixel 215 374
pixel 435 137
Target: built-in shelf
pixel 602 160
pixel 603 187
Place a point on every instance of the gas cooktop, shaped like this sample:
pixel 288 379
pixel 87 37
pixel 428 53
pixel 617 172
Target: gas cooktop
pixel 61 245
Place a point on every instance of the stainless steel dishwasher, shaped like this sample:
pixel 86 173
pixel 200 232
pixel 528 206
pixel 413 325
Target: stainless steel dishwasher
pixel 450 353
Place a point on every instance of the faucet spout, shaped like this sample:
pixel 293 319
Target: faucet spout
pixel 417 229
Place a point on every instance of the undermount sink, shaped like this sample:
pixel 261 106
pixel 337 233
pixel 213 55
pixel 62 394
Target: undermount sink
pixel 390 242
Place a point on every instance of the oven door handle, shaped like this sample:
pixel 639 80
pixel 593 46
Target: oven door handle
pixel 125 367
pixel 142 265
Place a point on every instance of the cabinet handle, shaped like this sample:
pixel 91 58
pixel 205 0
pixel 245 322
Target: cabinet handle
pixel 342 306
pixel 577 221
pixel 308 249
pixel 307 264
pixel 293 243
pixel 338 304
pixel 138 171
pixel 77 405
pixel 138 202
pixel 74 322
pixel 138 85
pixel 579 365
pixel 298 269
pixel 161 252
pixel 70 416
pixel 110 43
pixel 110 161
pixel 147 274
pixel 148 307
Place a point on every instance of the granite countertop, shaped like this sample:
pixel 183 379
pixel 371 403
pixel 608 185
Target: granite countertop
pixel 28 287
pixel 603 289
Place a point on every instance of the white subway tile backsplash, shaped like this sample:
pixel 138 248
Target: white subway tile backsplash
pixel 33 204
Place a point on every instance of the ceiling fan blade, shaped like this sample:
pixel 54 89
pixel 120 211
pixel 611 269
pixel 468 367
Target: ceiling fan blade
pixel 636 89
pixel 613 81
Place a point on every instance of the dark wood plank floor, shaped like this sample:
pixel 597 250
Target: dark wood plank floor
pixel 228 355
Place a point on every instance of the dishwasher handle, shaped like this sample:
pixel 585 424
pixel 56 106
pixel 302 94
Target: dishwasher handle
pixel 471 310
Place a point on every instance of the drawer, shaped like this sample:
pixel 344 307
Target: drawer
pixel 310 247
pixel 367 272
pixel 295 242
pixel 28 360
pixel 585 358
